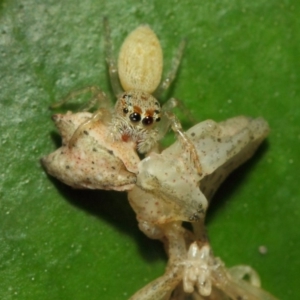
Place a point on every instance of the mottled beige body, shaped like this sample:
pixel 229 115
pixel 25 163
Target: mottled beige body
pixel 140 61
pixel 95 161
pixel 169 190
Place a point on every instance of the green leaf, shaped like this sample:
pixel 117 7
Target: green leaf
pixel 242 58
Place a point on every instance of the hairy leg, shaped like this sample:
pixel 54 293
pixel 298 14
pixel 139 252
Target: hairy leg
pixel 185 141
pixel 111 61
pixel 164 85
pixel 98 99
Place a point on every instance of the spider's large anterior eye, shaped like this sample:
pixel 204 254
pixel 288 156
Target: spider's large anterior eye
pixel 135 117
pixel 147 120
pixel 158 116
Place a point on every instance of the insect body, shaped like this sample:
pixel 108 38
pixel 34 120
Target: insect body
pixel 95 161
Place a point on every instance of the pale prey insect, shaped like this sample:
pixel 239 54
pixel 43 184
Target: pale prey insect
pixel 169 190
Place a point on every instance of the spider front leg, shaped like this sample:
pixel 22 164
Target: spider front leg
pixel 186 143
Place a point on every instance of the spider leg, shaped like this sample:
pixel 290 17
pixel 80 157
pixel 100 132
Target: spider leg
pixel 185 140
pixel 164 85
pixel 98 99
pixel 111 61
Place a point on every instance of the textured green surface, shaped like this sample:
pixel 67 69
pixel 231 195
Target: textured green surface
pixel 242 58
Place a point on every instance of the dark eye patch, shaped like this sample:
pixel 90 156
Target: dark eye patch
pixel 147 120
pixel 135 117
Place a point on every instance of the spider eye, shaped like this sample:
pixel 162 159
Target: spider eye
pixel 135 117
pixel 158 119
pixel 125 110
pixel 147 120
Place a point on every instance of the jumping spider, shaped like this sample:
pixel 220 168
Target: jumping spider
pixel 99 151
pixel 137 115
pixel 135 124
